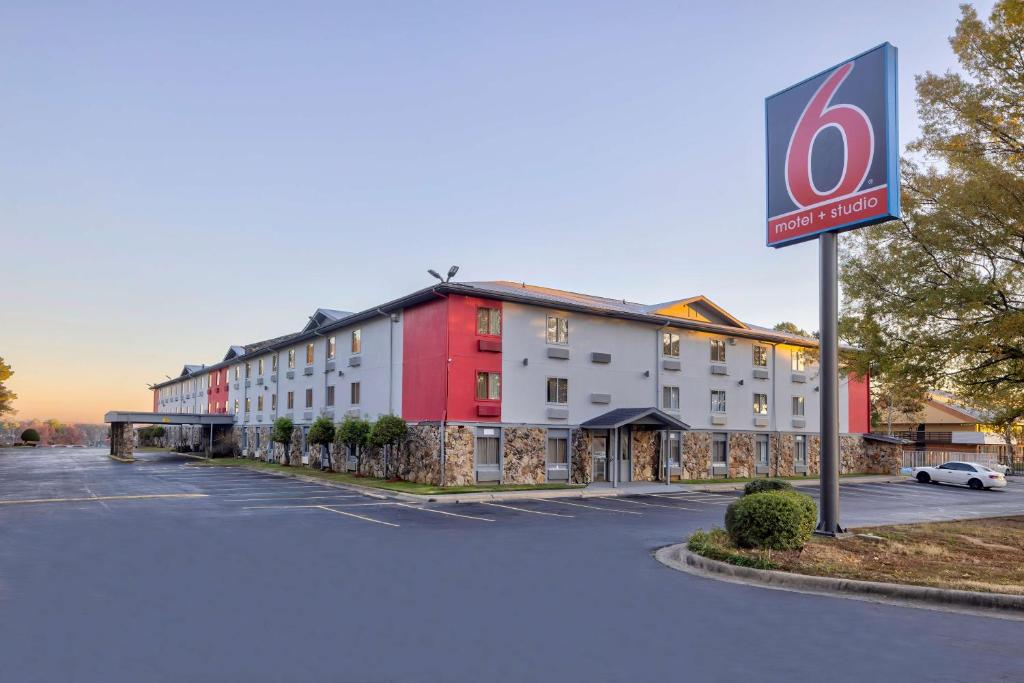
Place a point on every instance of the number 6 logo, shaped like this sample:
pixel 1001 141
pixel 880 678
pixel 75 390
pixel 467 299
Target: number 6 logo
pixel 858 144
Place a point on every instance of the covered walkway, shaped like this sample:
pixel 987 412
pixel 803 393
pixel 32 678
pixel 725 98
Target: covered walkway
pixel 122 425
pixel 613 431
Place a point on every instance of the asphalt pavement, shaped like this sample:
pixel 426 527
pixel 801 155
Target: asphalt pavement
pixel 163 571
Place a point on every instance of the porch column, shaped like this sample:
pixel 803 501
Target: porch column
pixel 122 441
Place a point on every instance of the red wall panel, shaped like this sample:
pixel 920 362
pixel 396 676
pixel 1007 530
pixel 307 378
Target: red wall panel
pixel 437 331
pixel 859 404
pixel 424 334
pixel 468 359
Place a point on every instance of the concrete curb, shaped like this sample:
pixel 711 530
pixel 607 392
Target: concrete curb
pixel 119 459
pixel 812 481
pixel 998 605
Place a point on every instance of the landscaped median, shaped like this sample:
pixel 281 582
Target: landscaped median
pixel 398 486
pixel 972 565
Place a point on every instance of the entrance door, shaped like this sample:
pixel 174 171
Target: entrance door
pixel 625 456
pixel 599 456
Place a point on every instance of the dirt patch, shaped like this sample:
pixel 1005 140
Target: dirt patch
pixel 978 555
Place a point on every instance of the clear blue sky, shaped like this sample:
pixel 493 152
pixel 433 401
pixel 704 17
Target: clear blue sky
pixel 337 150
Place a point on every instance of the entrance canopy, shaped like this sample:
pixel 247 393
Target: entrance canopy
pixel 621 417
pixel 167 418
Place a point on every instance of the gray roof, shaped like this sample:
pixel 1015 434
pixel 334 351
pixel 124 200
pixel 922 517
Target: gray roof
pixel 619 417
pixel 885 438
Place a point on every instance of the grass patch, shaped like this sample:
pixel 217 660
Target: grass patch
pixel 978 555
pixel 743 480
pixel 402 486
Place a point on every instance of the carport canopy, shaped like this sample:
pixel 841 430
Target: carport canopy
pixel 167 418
pixel 621 417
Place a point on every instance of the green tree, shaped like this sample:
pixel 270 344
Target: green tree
pixel 321 433
pixel 353 434
pixel 30 436
pixel 281 433
pixel 388 432
pixel 936 300
pixel 6 395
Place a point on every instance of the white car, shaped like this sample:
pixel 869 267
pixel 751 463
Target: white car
pixel 964 473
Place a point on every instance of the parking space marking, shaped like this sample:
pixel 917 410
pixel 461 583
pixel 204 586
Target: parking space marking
pixel 315 505
pixel 581 505
pixel 655 505
pixel 532 512
pixel 352 514
pixel 97 499
pixel 443 512
pixel 270 498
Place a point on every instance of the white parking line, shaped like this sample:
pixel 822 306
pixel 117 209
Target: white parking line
pixel 270 498
pixel 653 505
pixel 352 514
pixel 442 512
pixel 581 505
pixel 314 506
pixel 533 512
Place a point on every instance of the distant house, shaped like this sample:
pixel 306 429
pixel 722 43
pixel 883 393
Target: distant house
pixel 945 424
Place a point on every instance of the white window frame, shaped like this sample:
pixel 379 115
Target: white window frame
pixel 798 360
pixel 799 405
pixel 560 382
pixel 764 404
pixel 717 344
pixel 718 398
pixel 356 341
pixel 671 393
pixel 332 347
pixel 668 340
pixel 753 355
pixel 559 334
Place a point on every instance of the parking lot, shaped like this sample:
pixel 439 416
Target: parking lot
pixel 162 570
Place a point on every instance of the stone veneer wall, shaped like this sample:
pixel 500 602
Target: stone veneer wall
pixel 420 459
pixel 644 444
pixel 524 456
pixel 696 455
pixel 458 455
pixel 582 469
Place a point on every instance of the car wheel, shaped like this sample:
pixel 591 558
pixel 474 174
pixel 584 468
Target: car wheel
pixel 923 478
pixel 976 484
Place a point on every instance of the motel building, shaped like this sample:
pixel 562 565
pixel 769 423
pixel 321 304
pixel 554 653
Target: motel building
pixel 505 382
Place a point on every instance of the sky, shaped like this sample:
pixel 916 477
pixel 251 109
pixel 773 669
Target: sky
pixel 179 177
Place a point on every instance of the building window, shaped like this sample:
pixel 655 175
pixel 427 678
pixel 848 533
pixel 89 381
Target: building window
pixel 309 354
pixel 558 390
pixel 259 403
pixel 670 398
pixel 761 449
pixel 760 404
pixel 354 393
pixel 798 406
pixel 558 454
pixel 273 363
pixel 488 321
pixel 291 359
pixel 332 346
pixel 330 396
pixel 248 370
pixel 717 401
pixel 273 402
pixel 670 344
pixel 248 405
pixel 760 356
pixel 675 449
pixel 309 398
pixel 259 367
pixel 488 386
pixel 800 449
pixel 717 351
pixel 291 400
pixel 799 361
pixel 236 373
pixel 558 330
pixel 357 341
pixel 488 446
pixel 719 448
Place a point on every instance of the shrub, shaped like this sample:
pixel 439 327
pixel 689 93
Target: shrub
pixel 772 520
pixel 30 435
pixel 282 433
pixel 762 485
pixel 353 433
pixel 322 431
pixel 388 432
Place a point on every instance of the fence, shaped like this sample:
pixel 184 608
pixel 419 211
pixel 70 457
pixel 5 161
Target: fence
pixel 934 458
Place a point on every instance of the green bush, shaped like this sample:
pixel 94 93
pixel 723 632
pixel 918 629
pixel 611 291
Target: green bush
pixel 772 520
pixel 30 435
pixel 322 431
pixel 281 433
pixel 762 485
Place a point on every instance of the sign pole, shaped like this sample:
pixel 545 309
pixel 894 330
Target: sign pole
pixel 828 523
